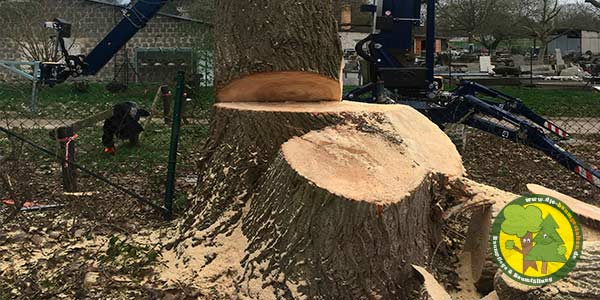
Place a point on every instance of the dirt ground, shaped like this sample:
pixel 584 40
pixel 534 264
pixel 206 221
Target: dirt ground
pixel 108 246
pixel 510 167
pixel 102 246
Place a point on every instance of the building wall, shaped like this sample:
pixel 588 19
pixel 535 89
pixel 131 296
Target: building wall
pixel 358 17
pixel 419 45
pixel 590 41
pixel 565 44
pixel 91 22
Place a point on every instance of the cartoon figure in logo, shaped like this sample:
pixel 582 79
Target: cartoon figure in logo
pixel 522 222
pixel 549 246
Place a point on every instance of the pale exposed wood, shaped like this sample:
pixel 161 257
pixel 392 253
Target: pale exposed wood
pixel 589 214
pixel 318 234
pixel 491 296
pixel 309 184
pixel 245 137
pixel 281 87
pixel 433 288
pixel 580 284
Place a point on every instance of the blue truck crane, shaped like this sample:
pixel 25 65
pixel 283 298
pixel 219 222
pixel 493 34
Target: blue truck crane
pixel 393 73
pixel 135 18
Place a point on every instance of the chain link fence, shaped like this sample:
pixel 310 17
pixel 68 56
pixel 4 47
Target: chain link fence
pixel 510 166
pixel 67 121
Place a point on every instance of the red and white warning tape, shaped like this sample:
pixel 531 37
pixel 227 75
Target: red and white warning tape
pixel 67 141
pixel 555 129
pixel 595 180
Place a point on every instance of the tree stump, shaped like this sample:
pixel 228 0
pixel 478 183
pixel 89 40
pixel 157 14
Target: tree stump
pixel 342 213
pixel 335 200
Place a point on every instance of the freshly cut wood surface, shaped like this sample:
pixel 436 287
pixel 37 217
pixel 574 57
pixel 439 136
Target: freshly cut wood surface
pixel 334 200
pixel 588 213
pixel 281 87
pixel 366 167
pixel 433 288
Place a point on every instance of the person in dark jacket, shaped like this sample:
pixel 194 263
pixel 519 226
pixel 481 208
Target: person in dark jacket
pixel 124 124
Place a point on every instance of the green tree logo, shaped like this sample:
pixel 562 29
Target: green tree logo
pixel 549 246
pixel 522 222
pixel 536 240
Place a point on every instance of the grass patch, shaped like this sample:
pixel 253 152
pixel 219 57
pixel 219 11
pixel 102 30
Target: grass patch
pixel 64 102
pixel 551 102
pixel 557 102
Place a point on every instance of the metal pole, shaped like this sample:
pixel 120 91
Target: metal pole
pixel 170 188
pixel 531 65
pixel 430 40
pixel 450 66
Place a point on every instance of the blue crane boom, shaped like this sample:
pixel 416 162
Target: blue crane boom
pixel 135 18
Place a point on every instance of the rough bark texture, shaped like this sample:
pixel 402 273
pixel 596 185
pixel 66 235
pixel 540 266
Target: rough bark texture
pixel 336 245
pixel 305 235
pixel 580 284
pixel 269 36
pixel 245 137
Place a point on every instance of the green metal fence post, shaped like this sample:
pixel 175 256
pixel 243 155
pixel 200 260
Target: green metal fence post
pixel 170 188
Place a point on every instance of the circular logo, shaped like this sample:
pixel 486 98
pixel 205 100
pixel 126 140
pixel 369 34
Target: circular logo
pixel 536 240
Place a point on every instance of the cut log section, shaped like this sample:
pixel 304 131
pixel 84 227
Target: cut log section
pixel 588 214
pixel 477 244
pixel 485 203
pixel 343 212
pixel 277 51
pixel 580 284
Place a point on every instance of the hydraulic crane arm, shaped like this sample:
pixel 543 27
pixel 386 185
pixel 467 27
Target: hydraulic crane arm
pixel 594 3
pixel 135 18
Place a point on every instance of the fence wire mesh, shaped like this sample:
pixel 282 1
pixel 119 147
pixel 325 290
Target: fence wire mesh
pixel 32 178
pixel 510 166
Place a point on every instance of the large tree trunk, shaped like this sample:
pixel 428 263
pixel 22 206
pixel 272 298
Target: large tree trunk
pixel 316 200
pixel 275 50
pixel 338 213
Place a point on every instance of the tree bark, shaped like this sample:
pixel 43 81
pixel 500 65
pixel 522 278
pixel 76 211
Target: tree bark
pixel 335 200
pixel 276 50
pixel 331 222
pixel 580 284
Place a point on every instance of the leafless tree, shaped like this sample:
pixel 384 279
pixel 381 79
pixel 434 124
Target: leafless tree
pixel 488 22
pixel 32 41
pixel 539 20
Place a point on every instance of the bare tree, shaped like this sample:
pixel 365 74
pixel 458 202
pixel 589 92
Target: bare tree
pixel 579 16
pixel 539 20
pixel 32 41
pixel 488 22
pixel 464 17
